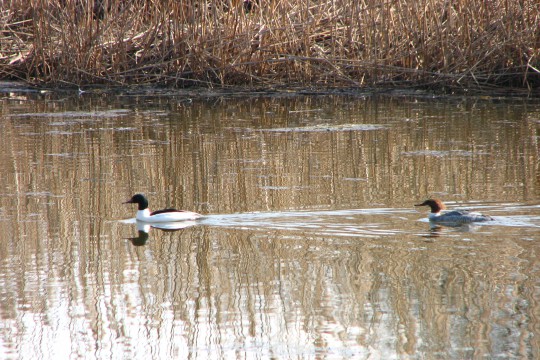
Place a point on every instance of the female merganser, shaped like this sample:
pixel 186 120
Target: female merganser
pixel 165 215
pixel 455 216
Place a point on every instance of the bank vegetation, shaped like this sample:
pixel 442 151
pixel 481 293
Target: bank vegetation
pixel 272 43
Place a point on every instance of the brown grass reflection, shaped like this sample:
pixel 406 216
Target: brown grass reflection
pixel 214 291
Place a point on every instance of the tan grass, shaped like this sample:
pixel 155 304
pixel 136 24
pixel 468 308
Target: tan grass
pixel 278 43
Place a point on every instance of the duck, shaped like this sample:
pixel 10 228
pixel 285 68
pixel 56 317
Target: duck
pixel 160 216
pixel 455 216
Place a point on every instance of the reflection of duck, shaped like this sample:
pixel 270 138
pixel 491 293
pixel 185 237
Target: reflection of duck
pixel 143 228
pixel 139 240
pixel 160 216
pixel 452 217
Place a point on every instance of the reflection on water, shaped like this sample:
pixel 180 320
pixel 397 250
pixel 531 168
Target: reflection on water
pixel 311 247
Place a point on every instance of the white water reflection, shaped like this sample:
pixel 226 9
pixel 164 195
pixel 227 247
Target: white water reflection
pixel 79 115
pixel 328 127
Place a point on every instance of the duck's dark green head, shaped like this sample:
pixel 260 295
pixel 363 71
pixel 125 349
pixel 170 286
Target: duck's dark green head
pixel 140 200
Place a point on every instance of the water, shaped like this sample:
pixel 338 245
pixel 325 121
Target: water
pixel 311 246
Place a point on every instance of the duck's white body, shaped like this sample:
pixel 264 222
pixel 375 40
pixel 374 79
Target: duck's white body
pixel 161 216
pixel 169 215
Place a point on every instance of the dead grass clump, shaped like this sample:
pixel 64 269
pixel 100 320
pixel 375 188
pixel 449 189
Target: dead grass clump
pixel 272 42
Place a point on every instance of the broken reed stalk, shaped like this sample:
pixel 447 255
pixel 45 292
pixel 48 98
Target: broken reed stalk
pixel 272 42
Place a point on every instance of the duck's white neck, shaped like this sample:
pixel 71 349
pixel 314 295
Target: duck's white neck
pixel 143 214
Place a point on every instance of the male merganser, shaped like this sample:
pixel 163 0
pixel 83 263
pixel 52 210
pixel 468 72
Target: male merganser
pixel 454 216
pixel 165 215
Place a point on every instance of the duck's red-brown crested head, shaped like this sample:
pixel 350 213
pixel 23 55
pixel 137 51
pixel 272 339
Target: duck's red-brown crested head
pixel 436 205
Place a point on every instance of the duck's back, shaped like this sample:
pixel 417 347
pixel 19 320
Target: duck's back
pixel 461 216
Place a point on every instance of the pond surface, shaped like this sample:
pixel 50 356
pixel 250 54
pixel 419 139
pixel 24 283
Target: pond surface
pixel 311 247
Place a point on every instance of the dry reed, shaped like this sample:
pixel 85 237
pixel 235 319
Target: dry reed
pixel 308 43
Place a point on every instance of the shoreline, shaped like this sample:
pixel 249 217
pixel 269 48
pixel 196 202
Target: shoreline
pixel 8 86
pixel 459 46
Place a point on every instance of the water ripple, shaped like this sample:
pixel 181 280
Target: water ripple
pixel 325 222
